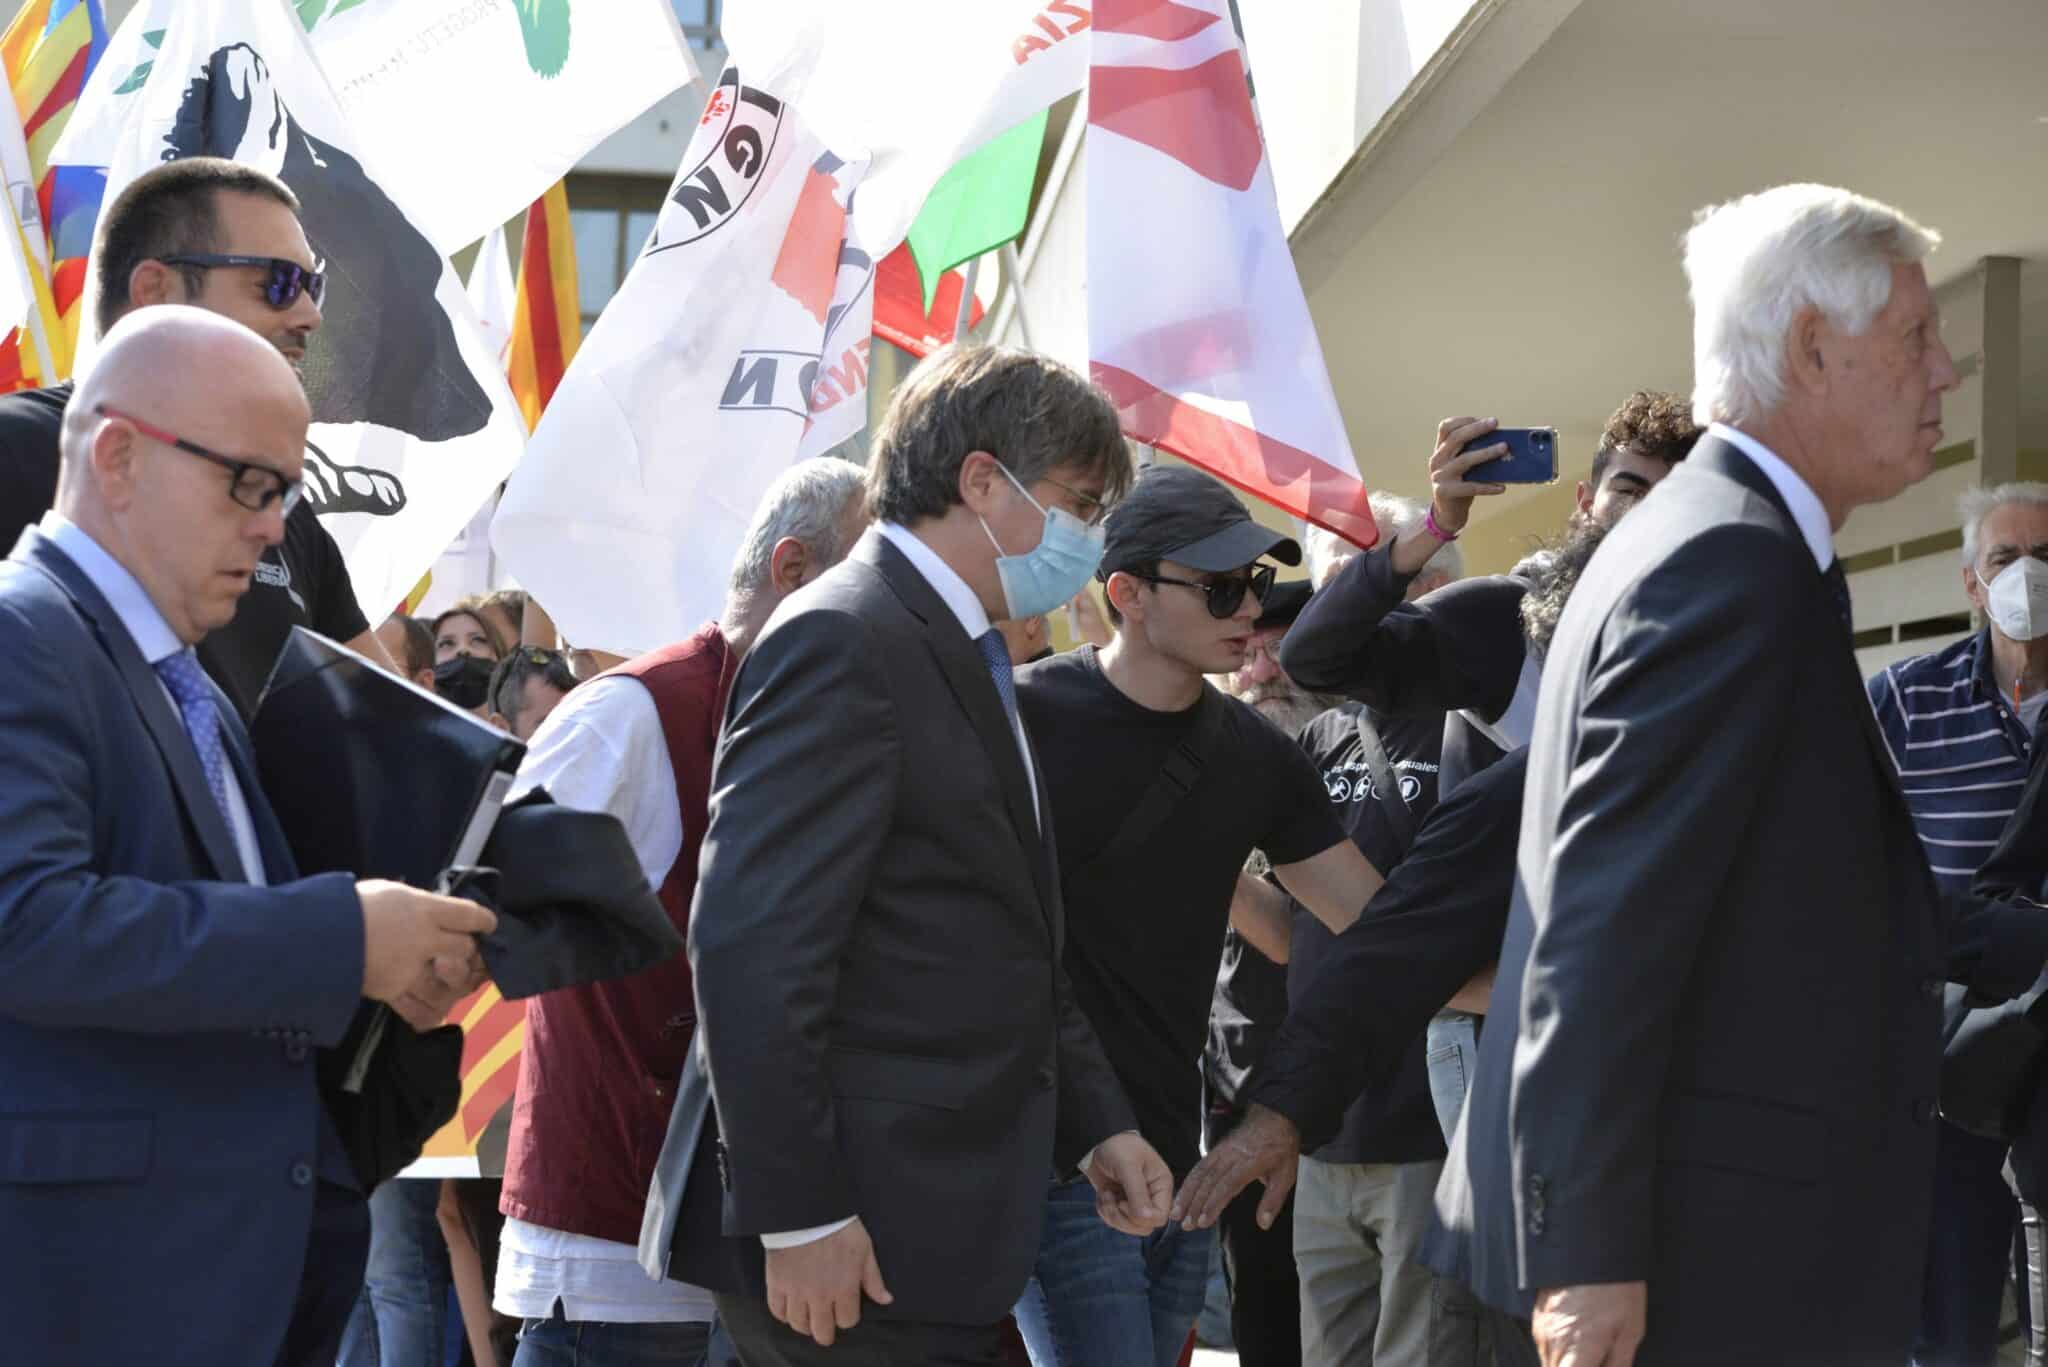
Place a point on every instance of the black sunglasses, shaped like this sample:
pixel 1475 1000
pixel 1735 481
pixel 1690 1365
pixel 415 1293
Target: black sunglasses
pixel 252 484
pixel 287 280
pixel 1224 592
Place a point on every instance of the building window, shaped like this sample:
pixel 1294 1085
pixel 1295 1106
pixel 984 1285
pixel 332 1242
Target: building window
pixel 700 22
pixel 611 218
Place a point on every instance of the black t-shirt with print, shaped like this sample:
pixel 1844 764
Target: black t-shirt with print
pixel 1395 1123
pixel 301 582
pixel 1144 934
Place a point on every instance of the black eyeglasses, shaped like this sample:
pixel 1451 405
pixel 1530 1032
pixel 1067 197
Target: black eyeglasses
pixel 1225 592
pixel 287 279
pixel 1089 508
pixel 252 484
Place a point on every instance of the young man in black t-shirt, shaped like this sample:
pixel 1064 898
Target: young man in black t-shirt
pixel 1160 787
pixel 204 211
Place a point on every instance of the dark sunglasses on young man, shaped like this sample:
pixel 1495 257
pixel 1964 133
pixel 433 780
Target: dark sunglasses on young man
pixel 1225 592
pixel 252 484
pixel 286 280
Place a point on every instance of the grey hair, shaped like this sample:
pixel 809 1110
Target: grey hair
pixel 1754 263
pixel 1397 516
pixel 1980 502
pixel 807 501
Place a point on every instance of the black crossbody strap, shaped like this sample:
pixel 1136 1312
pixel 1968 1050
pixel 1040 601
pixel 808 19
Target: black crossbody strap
pixel 1386 786
pixel 1177 777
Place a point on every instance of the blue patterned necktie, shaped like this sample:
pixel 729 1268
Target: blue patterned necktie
pixel 995 653
pixel 187 682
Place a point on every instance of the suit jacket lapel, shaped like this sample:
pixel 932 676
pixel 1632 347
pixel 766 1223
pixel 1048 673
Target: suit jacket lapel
pixel 966 674
pixel 163 721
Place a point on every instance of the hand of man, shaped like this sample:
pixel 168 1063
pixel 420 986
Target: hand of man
pixel 1133 1185
pixel 1600 1325
pixel 1451 494
pixel 1265 1147
pixel 815 1288
pixel 419 950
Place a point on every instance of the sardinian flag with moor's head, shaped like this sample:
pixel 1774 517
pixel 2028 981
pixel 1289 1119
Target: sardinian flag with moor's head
pixel 413 422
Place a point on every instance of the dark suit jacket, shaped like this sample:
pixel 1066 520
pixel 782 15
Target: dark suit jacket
pixel 1437 921
pixel 876 938
pixel 1725 955
pixel 159 1124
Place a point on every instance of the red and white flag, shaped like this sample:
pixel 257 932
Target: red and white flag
pixel 1201 335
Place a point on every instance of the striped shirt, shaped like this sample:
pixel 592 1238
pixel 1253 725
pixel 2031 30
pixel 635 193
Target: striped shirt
pixel 1961 751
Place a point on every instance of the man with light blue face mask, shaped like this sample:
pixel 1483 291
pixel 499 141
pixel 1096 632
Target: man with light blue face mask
pixel 1161 786
pixel 885 1032
pixel 1959 723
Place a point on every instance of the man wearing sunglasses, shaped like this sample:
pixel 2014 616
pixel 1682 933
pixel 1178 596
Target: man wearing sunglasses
pixel 226 238
pixel 1161 786
pixel 171 1186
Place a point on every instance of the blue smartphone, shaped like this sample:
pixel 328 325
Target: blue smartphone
pixel 1531 457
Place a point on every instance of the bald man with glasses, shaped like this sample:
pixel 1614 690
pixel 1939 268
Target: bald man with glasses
pixel 165 974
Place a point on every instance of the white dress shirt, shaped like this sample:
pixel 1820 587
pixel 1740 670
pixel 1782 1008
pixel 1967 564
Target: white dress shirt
pixel 973 618
pixel 601 750
pixel 155 639
pixel 1800 499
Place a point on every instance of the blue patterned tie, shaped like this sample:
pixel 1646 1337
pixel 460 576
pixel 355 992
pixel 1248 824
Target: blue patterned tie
pixel 182 675
pixel 995 653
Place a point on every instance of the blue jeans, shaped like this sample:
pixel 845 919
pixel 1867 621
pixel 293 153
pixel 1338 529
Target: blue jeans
pixel 401 1319
pixel 1452 1042
pixel 558 1342
pixel 1104 1299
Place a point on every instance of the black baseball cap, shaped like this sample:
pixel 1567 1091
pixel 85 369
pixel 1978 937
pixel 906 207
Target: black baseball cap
pixel 1180 514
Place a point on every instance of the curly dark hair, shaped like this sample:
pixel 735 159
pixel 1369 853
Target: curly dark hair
pixel 1552 577
pixel 1651 424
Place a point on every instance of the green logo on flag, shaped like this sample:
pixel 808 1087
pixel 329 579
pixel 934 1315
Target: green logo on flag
pixel 543 25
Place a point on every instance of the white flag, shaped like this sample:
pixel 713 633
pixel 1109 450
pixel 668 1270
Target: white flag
pixel 413 421
pixel 473 108
pixel 1201 335
pixel 738 343
pixel 492 293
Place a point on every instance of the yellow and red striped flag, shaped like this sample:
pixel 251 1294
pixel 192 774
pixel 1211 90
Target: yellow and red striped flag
pixel 48 52
pixel 546 323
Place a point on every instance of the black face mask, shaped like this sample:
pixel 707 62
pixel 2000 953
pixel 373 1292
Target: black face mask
pixel 463 679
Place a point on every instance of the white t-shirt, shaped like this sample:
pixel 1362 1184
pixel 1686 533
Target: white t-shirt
pixel 601 750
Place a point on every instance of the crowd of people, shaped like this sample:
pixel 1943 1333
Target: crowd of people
pixel 1575 966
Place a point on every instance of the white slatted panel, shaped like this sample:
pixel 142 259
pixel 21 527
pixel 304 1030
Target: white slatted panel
pixel 1873 658
pixel 1928 586
pixel 1926 508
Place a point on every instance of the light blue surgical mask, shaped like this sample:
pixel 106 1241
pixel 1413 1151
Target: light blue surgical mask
pixel 1049 575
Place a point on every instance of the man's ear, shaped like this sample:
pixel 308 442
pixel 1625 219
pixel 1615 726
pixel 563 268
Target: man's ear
pixel 980 472
pixel 788 563
pixel 112 456
pixel 1805 365
pixel 152 282
pixel 1586 492
pixel 1123 593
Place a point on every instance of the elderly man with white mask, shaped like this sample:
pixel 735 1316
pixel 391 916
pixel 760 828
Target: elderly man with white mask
pixel 1959 723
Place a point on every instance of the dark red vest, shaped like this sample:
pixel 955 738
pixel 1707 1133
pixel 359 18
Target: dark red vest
pixel 598 1075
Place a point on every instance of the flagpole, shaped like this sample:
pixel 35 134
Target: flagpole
pixel 1014 270
pixel 966 310
pixel 1055 181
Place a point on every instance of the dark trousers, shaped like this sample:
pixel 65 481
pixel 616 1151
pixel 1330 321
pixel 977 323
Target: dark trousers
pixel 764 1341
pixel 1969 1247
pixel 337 1246
pixel 1265 1290
pixel 1512 1344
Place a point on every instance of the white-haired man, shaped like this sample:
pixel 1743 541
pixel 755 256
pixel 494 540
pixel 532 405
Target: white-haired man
pixel 1704 1134
pixel 1959 723
pixel 597 1075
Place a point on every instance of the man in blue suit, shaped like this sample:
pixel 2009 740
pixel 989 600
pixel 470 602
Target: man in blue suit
pixel 171 1190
